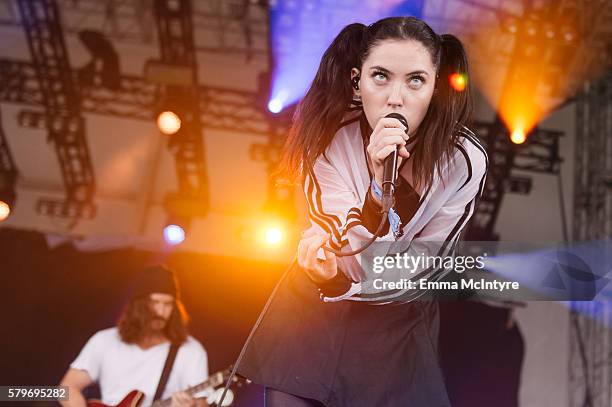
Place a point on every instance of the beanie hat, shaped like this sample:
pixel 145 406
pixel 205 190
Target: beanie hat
pixel 156 279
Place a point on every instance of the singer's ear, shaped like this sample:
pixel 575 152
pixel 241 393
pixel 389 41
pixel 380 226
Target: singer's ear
pixel 355 81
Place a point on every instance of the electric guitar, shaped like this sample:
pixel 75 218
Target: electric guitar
pixel 135 397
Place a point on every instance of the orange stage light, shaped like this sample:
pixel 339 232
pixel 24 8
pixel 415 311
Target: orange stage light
pixel 518 136
pixel 458 81
pixel 273 235
pixel 5 210
pixel 168 122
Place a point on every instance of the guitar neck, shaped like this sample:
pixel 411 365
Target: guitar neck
pixel 213 381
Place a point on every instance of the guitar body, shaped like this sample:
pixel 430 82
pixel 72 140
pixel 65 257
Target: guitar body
pixel 133 399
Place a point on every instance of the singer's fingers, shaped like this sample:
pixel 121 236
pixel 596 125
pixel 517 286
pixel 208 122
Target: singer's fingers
pixel 396 140
pixel 329 256
pixel 403 152
pixel 301 253
pixel 377 145
pixel 389 131
pixel 302 250
pixel 384 152
pixel 390 122
pixel 384 128
pixel 314 245
pixel 331 264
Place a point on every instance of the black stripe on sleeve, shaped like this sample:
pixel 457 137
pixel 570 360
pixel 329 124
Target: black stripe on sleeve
pixel 468 162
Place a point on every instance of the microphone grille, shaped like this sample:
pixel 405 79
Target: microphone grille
pixel 399 117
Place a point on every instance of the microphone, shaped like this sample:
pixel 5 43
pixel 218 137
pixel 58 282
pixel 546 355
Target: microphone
pixel 390 169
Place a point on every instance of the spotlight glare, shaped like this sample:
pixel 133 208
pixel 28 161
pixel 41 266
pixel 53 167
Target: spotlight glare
pixel 273 235
pixel 275 105
pixel 5 210
pixel 518 136
pixel 174 234
pixel 168 122
pixel 458 81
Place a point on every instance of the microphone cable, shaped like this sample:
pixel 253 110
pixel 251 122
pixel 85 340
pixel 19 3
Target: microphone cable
pixel 385 212
pixel 387 202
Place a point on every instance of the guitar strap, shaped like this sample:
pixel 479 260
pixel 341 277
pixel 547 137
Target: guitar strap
pixel 166 371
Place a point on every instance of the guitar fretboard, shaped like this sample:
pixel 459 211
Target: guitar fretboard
pixel 213 381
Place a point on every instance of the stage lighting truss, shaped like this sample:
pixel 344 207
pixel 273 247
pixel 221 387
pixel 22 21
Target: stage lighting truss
pixel 540 151
pixel 220 108
pixel 230 26
pixel 568 40
pixel 60 98
pixel 590 353
pixel 593 162
pixel 539 154
pixel 175 34
pixel 137 98
pixel 8 174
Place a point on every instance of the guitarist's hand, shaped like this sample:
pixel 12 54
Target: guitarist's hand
pixel 182 399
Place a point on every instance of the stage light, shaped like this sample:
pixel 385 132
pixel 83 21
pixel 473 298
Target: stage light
pixel 174 234
pixel 300 31
pixel 568 34
pixel 458 81
pixel 273 235
pixel 7 194
pixel 278 101
pixel 518 136
pixel 275 106
pixel 5 210
pixel 168 122
pixel 510 24
pixel 531 27
pixel 549 31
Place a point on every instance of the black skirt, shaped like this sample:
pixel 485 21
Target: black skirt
pixel 347 354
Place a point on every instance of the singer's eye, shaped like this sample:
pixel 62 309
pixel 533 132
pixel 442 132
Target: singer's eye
pixel 379 76
pixel 416 82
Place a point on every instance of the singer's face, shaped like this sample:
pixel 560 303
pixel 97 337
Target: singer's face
pixel 397 76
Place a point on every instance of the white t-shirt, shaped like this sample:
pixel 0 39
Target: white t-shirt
pixel 119 367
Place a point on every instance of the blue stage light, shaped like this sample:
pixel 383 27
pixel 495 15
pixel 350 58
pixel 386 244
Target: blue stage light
pixel 174 234
pixel 275 105
pixel 301 30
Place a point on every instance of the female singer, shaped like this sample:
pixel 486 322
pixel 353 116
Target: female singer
pixel 323 342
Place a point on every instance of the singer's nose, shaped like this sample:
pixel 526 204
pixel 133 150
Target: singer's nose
pixel 395 96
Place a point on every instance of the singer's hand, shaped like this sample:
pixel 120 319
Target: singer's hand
pixel 318 270
pixel 386 136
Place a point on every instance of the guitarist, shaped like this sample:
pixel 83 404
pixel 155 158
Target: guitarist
pixel 132 355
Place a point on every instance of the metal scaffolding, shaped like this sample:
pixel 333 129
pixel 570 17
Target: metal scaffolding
pixel 176 44
pixel 60 97
pixel 8 170
pixel 591 337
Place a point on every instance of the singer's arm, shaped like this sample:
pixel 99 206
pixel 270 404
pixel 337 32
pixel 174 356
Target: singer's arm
pixel 449 207
pixel 338 218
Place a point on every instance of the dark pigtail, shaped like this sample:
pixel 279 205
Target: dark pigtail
pixel 448 112
pixel 453 59
pixel 326 102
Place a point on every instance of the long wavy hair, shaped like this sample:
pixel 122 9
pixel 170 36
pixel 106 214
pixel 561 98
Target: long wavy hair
pixel 135 320
pixel 329 97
